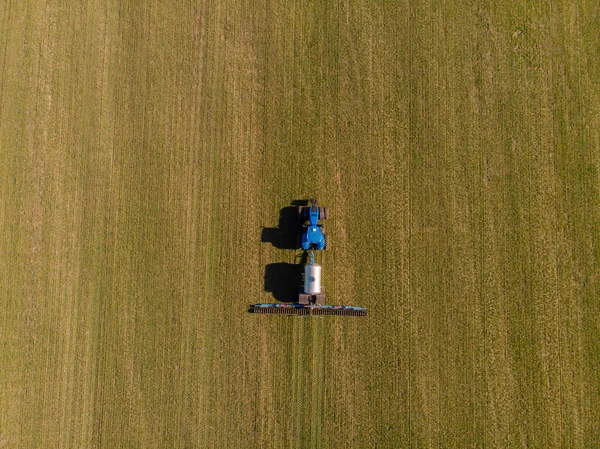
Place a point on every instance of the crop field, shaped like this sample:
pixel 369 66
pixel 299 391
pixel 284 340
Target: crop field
pixel 148 153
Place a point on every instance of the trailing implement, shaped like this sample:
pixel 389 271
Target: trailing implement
pixel 311 298
pixel 308 309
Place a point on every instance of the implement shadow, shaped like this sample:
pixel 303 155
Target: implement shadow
pixel 283 280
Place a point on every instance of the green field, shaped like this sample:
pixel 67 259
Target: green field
pixel 144 146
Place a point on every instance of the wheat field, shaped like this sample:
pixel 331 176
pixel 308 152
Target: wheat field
pixel 144 147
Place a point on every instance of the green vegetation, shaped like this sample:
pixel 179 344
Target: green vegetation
pixel 143 146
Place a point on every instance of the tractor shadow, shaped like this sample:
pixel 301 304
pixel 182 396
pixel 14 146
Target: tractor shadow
pixel 285 235
pixel 284 279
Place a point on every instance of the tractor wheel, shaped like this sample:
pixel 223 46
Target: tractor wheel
pixel 300 212
pixel 325 242
pixel 324 213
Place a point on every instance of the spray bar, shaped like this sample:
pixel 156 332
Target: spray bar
pixel 308 309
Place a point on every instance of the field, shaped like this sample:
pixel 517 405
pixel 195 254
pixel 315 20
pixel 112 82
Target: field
pixel 145 147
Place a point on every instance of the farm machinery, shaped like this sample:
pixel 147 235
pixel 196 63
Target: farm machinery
pixel 313 235
pixel 311 294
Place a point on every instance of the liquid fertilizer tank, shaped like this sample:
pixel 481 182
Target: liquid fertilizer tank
pixel 312 278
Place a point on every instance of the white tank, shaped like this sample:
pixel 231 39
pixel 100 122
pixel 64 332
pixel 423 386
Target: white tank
pixel 312 279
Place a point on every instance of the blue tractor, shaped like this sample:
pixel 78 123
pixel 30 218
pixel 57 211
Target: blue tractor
pixel 313 234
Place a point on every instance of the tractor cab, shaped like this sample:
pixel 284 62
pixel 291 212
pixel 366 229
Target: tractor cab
pixel 313 235
pixel 313 238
